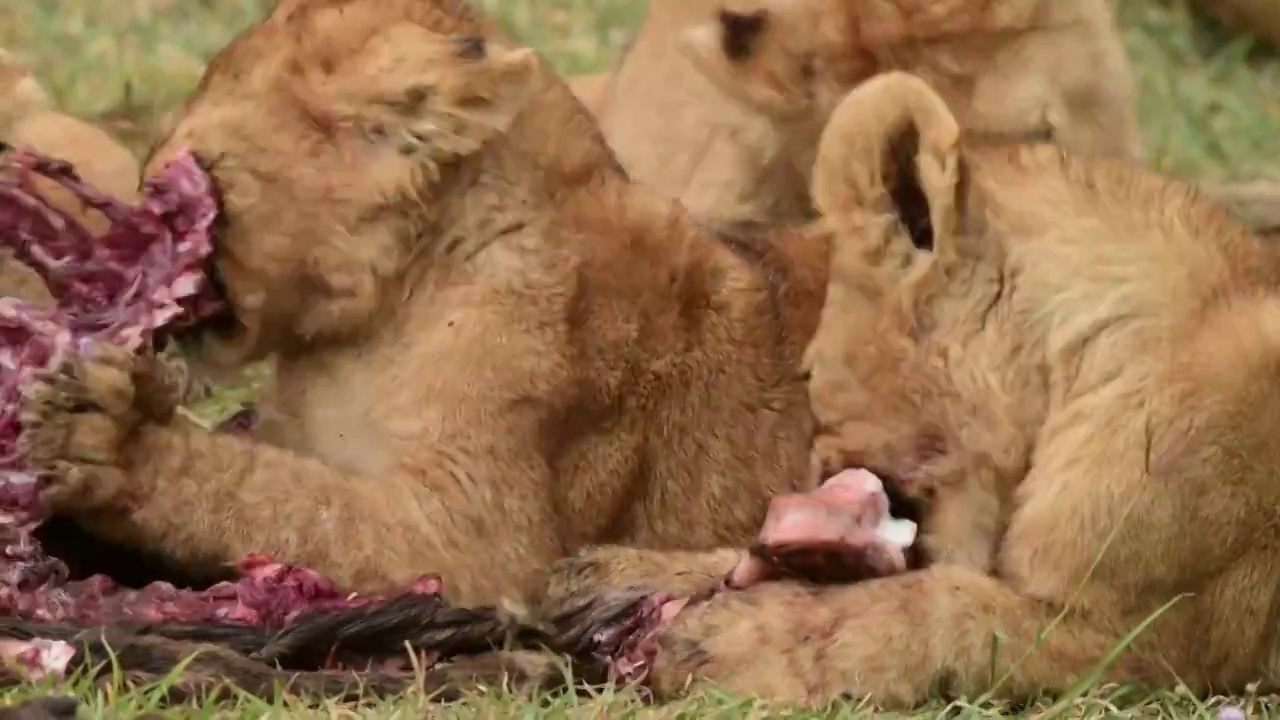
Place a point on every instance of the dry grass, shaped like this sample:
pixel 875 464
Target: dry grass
pixel 1210 106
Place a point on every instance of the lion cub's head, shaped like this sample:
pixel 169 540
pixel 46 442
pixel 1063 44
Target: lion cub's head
pixel 328 129
pixel 1013 68
pixel 983 295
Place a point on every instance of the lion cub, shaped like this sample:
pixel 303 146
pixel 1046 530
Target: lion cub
pixel 1072 362
pixel 1010 68
pixel 29 118
pixel 493 350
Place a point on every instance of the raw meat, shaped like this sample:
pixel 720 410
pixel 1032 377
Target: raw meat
pixel 145 274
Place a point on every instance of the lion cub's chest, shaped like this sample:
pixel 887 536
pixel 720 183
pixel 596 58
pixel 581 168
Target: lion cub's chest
pixel 337 412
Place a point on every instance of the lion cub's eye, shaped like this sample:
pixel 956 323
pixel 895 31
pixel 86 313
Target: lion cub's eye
pixel 471 48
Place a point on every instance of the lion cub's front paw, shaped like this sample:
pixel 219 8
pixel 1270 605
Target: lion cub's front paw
pixel 77 420
pixel 162 382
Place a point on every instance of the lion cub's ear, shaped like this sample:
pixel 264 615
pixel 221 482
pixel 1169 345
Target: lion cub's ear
pixel 891 149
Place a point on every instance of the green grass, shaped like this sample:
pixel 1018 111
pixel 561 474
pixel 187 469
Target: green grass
pixel 1209 103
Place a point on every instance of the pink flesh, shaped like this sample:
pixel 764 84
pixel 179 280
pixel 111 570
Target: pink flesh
pixel 36 658
pixel 825 534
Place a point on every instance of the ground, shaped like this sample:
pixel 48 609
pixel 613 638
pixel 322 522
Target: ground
pixel 1209 103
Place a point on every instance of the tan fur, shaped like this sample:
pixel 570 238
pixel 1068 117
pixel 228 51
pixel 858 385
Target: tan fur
pixel 28 119
pixel 1260 18
pixel 1008 68
pixel 493 350
pixel 20 93
pixel 617 567
pixel 1072 364
pixel 674 131
pixel 591 90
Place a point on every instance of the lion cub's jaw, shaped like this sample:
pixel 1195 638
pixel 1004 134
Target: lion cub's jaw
pixel 331 130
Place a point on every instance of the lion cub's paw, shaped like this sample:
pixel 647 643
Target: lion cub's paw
pixel 77 420
pixel 163 381
pixel 611 568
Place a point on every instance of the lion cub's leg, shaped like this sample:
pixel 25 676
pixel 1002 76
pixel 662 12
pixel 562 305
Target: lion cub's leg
pixel 602 569
pixel 891 639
